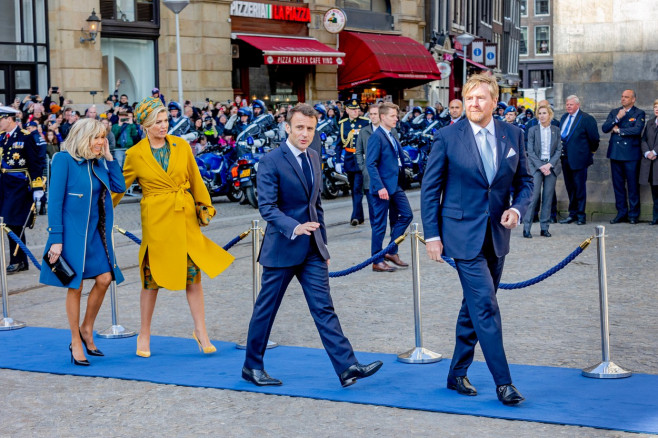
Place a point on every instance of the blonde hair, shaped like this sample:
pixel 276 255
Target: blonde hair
pixel 82 134
pixel 151 118
pixel 476 80
pixel 655 102
pixel 387 107
pixel 547 108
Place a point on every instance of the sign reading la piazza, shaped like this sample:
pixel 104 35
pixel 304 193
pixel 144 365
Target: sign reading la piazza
pixel 270 12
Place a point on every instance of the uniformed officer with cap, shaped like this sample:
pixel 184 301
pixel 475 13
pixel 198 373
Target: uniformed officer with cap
pixel 349 128
pixel 20 161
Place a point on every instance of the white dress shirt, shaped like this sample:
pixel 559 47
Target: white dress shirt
pixel 545 132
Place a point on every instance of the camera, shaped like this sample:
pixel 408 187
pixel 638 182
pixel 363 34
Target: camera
pixel 54 89
pixel 123 119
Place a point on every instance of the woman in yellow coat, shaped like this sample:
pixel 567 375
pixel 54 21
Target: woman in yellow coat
pixel 173 251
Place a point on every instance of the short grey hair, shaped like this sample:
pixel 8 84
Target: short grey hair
pixel 574 98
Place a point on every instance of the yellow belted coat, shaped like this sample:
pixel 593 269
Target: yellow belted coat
pixel 170 230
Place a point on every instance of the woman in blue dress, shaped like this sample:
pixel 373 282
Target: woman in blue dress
pixel 80 221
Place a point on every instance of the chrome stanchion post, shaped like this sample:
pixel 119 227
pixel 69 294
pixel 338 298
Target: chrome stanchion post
pixel 255 250
pixel 6 323
pixel 116 331
pixel 606 369
pixel 419 354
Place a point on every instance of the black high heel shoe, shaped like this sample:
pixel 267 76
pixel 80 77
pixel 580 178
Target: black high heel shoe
pixel 95 352
pixel 84 363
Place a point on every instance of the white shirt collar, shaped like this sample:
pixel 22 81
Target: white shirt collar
pixel 575 114
pixel 296 152
pixel 13 130
pixel 491 128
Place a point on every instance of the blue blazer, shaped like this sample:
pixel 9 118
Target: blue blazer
pixel 582 142
pixel 382 162
pixel 625 146
pixel 456 198
pixel 69 206
pixel 284 202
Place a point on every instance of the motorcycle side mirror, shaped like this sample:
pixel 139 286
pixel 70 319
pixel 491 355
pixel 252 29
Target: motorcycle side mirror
pixel 323 136
pixel 250 141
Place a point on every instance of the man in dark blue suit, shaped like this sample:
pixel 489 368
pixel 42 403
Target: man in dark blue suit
pixel 474 167
pixel 626 124
pixel 384 163
pixel 289 183
pixel 580 139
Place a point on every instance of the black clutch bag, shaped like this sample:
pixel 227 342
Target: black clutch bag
pixel 61 269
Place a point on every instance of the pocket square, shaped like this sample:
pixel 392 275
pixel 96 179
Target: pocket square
pixel 511 153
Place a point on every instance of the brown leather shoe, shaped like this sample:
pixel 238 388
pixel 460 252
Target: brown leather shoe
pixel 396 259
pixel 382 267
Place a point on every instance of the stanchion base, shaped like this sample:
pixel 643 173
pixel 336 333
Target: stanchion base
pixel 116 332
pixel 419 355
pixel 606 370
pixel 11 324
pixel 270 344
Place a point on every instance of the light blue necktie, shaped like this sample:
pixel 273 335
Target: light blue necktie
pixel 487 156
pixel 565 132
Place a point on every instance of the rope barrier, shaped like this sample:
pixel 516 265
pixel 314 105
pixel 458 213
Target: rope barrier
pixel 369 261
pixel 541 277
pixel 226 247
pixel 23 247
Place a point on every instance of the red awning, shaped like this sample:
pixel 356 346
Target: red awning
pixel 374 57
pixel 473 63
pixel 293 50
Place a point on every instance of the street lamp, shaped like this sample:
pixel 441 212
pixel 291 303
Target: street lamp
pixel 176 6
pixel 93 27
pixel 464 39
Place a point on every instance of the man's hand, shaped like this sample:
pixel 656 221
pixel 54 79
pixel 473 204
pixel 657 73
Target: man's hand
pixel 510 219
pixel 651 155
pixel 621 114
pixel 435 250
pixel 383 194
pixel 306 228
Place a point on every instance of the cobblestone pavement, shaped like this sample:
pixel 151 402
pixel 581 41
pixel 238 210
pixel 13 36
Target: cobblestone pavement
pixel 555 323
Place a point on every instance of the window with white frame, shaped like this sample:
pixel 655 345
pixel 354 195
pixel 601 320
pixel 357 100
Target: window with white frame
pixel 542 40
pixel 523 46
pixel 524 8
pixel 542 7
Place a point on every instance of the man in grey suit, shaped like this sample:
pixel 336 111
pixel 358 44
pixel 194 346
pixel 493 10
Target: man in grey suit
pixel 544 151
pixel 361 146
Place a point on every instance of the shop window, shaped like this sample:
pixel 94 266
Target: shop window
pixel 542 7
pixel 367 5
pixel 524 8
pixel 542 40
pixel 523 46
pixel 133 62
pixel 128 10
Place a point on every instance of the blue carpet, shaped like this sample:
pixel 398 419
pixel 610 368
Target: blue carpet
pixel 554 395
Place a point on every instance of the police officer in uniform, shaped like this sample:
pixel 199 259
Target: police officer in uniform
pixel 349 128
pixel 20 161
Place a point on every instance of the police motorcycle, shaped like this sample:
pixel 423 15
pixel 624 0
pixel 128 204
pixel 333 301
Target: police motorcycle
pixel 252 143
pixel 416 145
pixel 218 167
pixel 334 181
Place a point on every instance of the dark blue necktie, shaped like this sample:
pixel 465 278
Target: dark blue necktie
pixel 397 147
pixel 306 168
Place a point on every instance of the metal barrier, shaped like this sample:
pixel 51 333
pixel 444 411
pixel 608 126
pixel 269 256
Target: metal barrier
pixel 7 322
pixel 256 232
pixel 419 354
pixel 607 369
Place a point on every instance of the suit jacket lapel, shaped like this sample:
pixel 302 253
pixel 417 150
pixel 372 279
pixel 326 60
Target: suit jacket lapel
pixel 295 165
pixel 468 139
pixel 502 145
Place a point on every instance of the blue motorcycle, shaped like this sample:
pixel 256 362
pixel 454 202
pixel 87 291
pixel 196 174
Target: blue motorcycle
pixel 216 165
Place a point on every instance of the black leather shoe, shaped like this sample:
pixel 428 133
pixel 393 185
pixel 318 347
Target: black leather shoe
pixel 95 352
pixel 568 220
pixel 633 221
pixel 527 234
pixel 619 219
pixel 654 222
pixel 354 222
pixel 17 267
pixel 581 222
pixel 545 233
pixel 358 371
pixel 74 361
pixel 259 377
pixel 462 385
pixel 509 395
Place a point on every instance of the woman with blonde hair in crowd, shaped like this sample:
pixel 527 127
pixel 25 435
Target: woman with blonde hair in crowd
pixel 173 251
pixel 80 221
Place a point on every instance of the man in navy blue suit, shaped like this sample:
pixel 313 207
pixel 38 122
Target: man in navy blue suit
pixel 474 167
pixel 384 163
pixel 580 139
pixel 289 183
pixel 626 124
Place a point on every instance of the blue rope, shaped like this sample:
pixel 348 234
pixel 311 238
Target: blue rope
pixel 132 237
pixel 364 263
pixel 232 243
pixel 20 243
pixel 522 284
pixel 228 246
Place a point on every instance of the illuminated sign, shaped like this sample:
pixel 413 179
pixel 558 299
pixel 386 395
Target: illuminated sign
pixel 270 12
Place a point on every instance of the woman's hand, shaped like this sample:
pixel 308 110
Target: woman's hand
pixel 106 151
pixel 54 252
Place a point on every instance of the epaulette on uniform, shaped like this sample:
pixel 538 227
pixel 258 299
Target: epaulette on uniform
pixel 342 120
pixel 25 131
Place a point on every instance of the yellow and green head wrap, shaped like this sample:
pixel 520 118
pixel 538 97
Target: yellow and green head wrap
pixel 146 107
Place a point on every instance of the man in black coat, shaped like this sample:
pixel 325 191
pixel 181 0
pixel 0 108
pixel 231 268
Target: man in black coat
pixel 626 124
pixel 580 139
pixel 21 162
